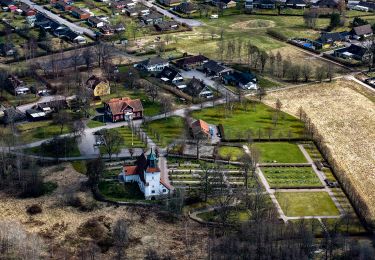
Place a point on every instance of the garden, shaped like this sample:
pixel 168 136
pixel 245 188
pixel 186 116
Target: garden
pixel 291 177
pixel 279 152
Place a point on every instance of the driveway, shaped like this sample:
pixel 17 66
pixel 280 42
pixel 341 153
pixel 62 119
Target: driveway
pixel 43 99
pixel 189 22
pixel 72 26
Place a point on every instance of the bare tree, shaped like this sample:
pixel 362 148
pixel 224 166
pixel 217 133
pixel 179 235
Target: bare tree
pixel 306 72
pixel 120 238
pixel 112 141
pixel 166 105
pixel 261 92
pixel 62 118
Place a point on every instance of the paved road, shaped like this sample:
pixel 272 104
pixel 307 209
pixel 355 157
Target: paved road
pixel 190 22
pixel 351 77
pixel 23 108
pixel 72 26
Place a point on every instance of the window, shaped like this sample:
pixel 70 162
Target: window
pixel 152 191
pixel 152 177
pixel 164 190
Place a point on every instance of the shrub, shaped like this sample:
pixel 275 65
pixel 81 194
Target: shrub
pixel 277 35
pixel 34 209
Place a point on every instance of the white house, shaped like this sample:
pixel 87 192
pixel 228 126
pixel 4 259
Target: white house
pixel 154 64
pixel 146 174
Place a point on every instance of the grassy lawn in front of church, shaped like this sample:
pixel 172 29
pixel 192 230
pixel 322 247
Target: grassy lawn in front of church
pixel 116 191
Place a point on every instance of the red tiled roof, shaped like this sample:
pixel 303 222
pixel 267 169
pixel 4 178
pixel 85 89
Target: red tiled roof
pixel 201 125
pixel 130 170
pixel 151 170
pixel 117 105
pixel 169 187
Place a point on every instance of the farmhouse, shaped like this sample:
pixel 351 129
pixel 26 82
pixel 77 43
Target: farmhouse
pixel 200 129
pixel 186 8
pixel 244 80
pixel 191 62
pixel 213 68
pixel 362 31
pixel 123 109
pixel 17 86
pixel 146 174
pixel 153 64
pixel 166 26
pixel 99 86
pixel 95 22
pixel 170 75
pixel 224 3
pixel 197 89
pixel 355 52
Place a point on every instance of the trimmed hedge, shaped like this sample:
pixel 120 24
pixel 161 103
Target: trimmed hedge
pixel 276 34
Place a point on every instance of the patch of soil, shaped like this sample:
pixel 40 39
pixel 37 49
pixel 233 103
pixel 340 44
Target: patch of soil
pixel 253 24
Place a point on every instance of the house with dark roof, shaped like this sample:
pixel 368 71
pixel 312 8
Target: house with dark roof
pixel 166 26
pixel 244 80
pixel 98 85
pixel 152 18
pixel 12 115
pixel 170 75
pixel 298 4
pixel 106 29
pixel 63 6
pixel 200 129
pixel 191 62
pixel 170 2
pixel 224 3
pixel 264 4
pixel 354 52
pixel 330 38
pixel 186 8
pixel 16 86
pixel 213 68
pixel 362 31
pixel 79 13
pixel 27 10
pixel 52 106
pixel 153 64
pixel 35 115
pixel 146 174
pixel 75 37
pixel 7 49
pixel 138 10
pixel 95 22
pixel 123 109
pixel 332 4
pixel 197 89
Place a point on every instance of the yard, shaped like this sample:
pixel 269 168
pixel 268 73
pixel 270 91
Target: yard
pixel 300 204
pixel 291 177
pixel 241 121
pixel 279 152
pixel 165 131
pixel 231 152
pixel 130 139
pixel 117 191
pixel 33 131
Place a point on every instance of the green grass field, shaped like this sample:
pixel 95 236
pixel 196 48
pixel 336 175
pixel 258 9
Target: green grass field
pixel 291 177
pixel 280 152
pixel 168 130
pixel 33 131
pixel 234 153
pixel 235 216
pixel 128 140
pixel 239 122
pixel 295 204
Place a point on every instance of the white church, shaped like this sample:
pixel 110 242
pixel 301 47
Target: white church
pixel 147 174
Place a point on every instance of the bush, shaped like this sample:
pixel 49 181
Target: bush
pixel 277 35
pixel 34 209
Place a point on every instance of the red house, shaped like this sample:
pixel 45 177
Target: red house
pixel 121 109
pixel 27 10
pixel 79 13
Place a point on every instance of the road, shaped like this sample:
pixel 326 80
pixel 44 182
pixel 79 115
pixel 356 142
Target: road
pixel 72 26
pixel 189 22
pixel 43 99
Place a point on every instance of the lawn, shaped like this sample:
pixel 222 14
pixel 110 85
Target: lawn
pixel 235 216
pixel 295 204
pixel 280 152
pixel 68 148
pixel 97 121
pixel 120 192
pixel 258 122
pixel 234 153
pixel 291 177
pixel 129 139
pixel 165 131
pixel 12 100
pixel 33 131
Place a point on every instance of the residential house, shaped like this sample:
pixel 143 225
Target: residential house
pixel 152 18
pixel 200 129
pixel 354 52
pixel 119 27
pixel 123 109
pixel 363 6
pixel 27 10
pixel 51 106
pixel 243 80
pixel 16 86
pixel 106 29
pixel 63 5
pixel 332 4
pixel 35 115
pixel 99 86
pixel 167 26
pixel 75 37
pixel 362 31
pixel 191 62
pixel 170 75
pixel 197 89
pixel 153 64
pixel 146 174
pixel 79 13
pixel 7 49
pixel 42 21
pixel 138 10
pixel 95 22
pixel 213 68
pixel 12 115
pixel 224 3
pixel 298 4
pixel 186 8
pixel 264 4
pixel 332 38
pixel 170 2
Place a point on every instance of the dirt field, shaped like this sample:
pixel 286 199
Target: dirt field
pixel 344 114
pixel 58 224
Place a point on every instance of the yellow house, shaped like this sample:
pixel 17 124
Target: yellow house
pixel 99 86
